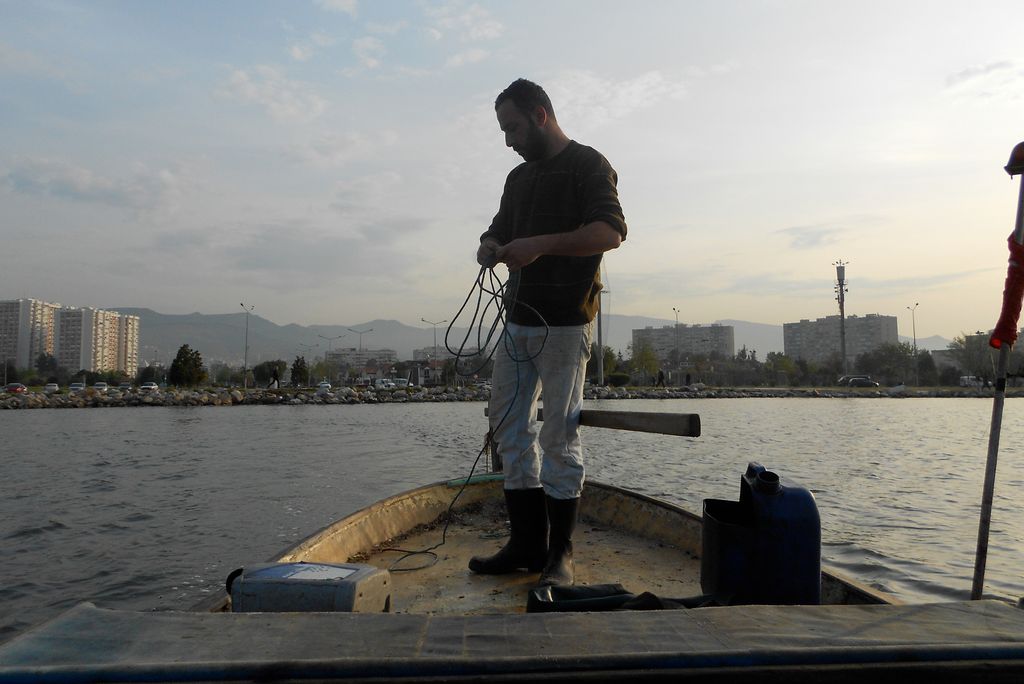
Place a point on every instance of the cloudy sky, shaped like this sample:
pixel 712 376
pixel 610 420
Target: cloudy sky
pixel 334 161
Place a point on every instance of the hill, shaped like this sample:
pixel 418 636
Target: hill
pixel 221 337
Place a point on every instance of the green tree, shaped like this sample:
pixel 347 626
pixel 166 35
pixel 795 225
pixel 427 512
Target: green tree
pixel 927 373
pixel 300 371
pixel 889 364
pixel 147 374
pixel 608 357
pixel 973 354
pixel 779 369
pixel 644 361
pixel 263 372
pixel 46 364
pixel 187 368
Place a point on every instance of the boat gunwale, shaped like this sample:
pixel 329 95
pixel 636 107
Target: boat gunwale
pixel 836 586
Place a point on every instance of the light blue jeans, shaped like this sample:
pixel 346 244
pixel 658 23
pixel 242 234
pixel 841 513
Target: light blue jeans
pixel 525 363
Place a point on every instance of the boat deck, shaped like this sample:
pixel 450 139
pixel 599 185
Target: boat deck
pixel 603 555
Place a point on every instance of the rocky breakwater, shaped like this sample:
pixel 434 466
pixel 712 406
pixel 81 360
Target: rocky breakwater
pixel 349 395
pixel 704 392
pixel 234 397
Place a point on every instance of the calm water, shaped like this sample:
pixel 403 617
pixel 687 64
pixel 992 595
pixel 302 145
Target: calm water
pixel 151 508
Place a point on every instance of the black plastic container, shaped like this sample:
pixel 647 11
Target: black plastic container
pixel 764 548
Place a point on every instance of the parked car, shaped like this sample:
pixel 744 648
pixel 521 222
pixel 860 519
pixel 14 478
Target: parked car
pixel 323 387
pixel 862 381
pixel 76 387
pixel 101 387
pixel 384 383
pixel 51 387
pixel 15 388
pixel 125 387
pixel 148 387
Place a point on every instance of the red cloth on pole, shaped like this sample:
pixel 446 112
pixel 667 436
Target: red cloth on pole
pixel 1013 293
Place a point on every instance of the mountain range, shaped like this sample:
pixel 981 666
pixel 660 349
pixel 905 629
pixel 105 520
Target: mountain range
pixel 222 337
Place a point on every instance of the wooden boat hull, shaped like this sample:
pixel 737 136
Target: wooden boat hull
pixel 980 641
pixel 643 543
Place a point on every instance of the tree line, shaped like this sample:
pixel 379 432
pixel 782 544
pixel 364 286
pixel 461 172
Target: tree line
pixel 889 364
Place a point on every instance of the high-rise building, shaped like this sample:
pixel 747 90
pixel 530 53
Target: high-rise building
pixel 26 330
pixel 819 340
pixel 682 340
pixel 80 339
pixel 96 340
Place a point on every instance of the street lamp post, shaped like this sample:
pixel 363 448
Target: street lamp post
pixel 329 341
pixel 245 352
pixel 360 333
pixel 676 333
pixel 309 366
pixel 435 334
pixel 913 322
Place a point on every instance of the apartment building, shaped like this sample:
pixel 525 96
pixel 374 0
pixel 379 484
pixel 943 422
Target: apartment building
pixel 441 352
pixel 361 357
pixel 26 330
pixel 818 340
pixel 682 340
pixel 80 339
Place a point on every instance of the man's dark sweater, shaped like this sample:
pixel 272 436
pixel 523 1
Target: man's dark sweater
pixel 557 195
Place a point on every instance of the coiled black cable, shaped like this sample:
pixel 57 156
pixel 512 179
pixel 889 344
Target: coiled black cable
pixel 490 292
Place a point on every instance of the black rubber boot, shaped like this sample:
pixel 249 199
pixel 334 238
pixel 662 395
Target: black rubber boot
pixel 560 568
pixel 527 547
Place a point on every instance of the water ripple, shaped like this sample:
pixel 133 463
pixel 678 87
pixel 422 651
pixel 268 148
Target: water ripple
pixel 156 517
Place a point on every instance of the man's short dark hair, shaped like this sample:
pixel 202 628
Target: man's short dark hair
pixel 527 96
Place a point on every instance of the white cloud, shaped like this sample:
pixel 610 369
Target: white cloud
pixel 369 51
pixel 1003 79
pixel 467 57
pixel 15 61
pixel 144 189
pixel 301 53
pixel 471 23
pixel 349 7
pixel 367 194
pixel 589 101
pixel 337 149
pixel 386 29
pixel 809 237
pixel 284 99
pixel 977 72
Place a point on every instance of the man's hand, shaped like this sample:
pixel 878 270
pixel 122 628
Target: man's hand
pixel 520 253
pixel 487 254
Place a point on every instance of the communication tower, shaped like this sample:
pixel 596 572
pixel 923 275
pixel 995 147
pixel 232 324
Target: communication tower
pixel 841 298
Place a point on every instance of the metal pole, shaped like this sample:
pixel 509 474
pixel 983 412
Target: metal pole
pixel 600 345
pixel 245 352
pixel 679 365
pixel 913 322
pixel 435 338
pixel 841 298
pixel 1016 166
pixel 327 357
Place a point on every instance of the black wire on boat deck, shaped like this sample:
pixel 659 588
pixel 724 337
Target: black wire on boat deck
pixel 498 294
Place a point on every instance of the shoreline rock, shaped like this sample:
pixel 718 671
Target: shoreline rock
pixel 348 395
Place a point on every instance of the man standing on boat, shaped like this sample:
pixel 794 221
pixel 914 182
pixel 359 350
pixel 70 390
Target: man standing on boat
pixel 559 213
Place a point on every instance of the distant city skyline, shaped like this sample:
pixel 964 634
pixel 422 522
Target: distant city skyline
pixel 336 160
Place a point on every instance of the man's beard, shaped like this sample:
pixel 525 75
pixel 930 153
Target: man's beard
pixel 533 149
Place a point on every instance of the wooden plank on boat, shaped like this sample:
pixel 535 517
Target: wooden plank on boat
pixel 681 424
